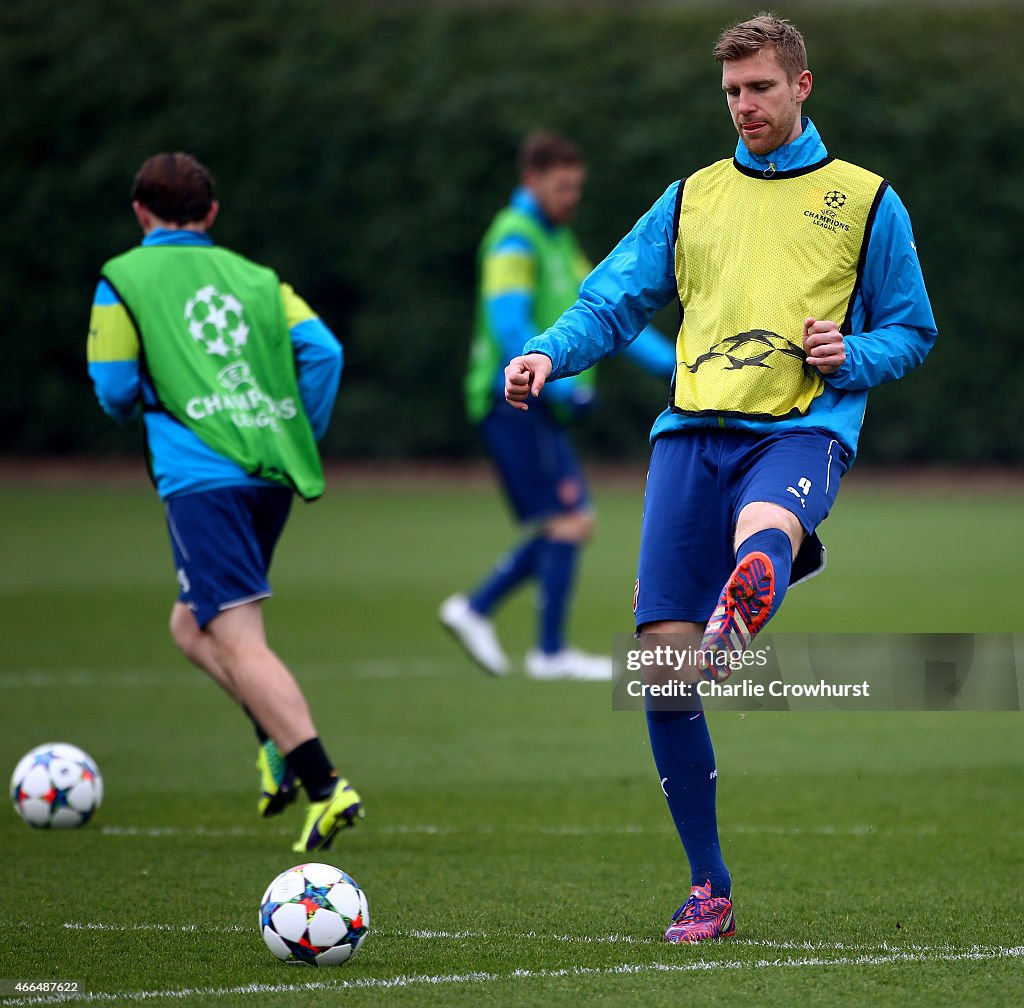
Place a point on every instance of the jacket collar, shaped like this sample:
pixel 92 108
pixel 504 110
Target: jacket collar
pixel 524 201
pixel 807 149
pixel 176 236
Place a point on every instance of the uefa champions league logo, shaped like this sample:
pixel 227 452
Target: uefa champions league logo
pixel 748 349
pixel 235 375
pixel 215 320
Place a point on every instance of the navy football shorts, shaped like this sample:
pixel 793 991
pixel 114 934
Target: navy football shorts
pixel 536 462
pixel 698 483
pixel 223 541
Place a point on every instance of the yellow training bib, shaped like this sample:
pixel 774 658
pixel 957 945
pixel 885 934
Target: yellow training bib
pixel 755 256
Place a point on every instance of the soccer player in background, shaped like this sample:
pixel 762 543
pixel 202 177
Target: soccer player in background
pixel 800 289
pixel 235 378
pixel 530 269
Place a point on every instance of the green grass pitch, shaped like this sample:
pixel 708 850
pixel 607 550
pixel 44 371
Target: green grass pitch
pixel 516 849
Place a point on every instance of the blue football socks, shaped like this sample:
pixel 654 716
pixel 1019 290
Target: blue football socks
pixel 553 563
pixel 681 744
pixel 775 544
pixel 508 573
pixel 556 570
pixel 685 758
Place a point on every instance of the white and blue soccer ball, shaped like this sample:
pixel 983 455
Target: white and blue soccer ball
pixel 315 914
pixel 56 786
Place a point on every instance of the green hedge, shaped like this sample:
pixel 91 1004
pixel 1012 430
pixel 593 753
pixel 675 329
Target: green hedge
pixel 362 151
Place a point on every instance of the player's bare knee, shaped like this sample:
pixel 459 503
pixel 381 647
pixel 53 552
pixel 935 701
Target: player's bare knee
pixel 574 527
pixel 660 627
pixel 185 631
pixel 677 634
pixel 760 515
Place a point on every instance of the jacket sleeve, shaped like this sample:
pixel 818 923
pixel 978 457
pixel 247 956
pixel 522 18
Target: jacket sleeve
pixel 319 359
pixel 893 327
pixel 112 355
pixel 508 283
pixel 618 299
pixel 653 351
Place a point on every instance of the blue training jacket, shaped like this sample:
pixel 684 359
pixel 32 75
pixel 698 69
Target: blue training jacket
pixel 510 315
pixel 638 278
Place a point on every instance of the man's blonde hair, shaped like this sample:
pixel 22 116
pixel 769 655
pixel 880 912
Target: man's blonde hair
pixel 750 37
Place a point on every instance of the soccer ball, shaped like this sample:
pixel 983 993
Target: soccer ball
pixel 314 913
pixel 56 786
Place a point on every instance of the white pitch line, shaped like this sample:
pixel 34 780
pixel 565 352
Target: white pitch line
pixel 432 829
pixel 177 831
pixel 427 979
pixel 90 678
pixel 176 928
pixel 86 677
pixel 858 830
pixel 428 934
pixel 411 829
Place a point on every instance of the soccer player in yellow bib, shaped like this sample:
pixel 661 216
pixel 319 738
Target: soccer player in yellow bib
pixel 799 289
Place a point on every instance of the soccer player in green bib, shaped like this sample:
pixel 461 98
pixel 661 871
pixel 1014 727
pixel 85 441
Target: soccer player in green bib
pixel 530 269
pixel 235 378
pixel 799 289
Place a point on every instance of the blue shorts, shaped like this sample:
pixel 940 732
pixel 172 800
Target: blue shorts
pixel 223 541
pixel 698 483
pixel 536 462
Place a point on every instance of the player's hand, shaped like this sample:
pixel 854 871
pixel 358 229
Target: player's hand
pixel 525 377
pixel 824 346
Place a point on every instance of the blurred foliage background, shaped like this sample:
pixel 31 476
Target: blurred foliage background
pixel 361 149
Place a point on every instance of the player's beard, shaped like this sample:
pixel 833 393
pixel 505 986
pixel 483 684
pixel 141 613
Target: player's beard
pixel 772 136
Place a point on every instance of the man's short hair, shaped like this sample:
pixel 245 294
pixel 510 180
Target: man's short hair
pixel 750 37
pixel 545 149
pixel 174 187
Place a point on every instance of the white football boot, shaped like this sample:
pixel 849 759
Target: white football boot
pixel 568 664
pixel 475 633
